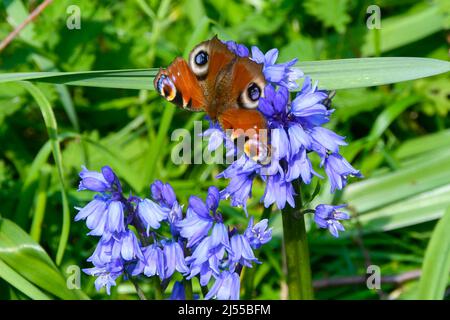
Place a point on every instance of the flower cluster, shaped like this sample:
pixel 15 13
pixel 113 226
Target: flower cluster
pixel 296 131
pixel 133 240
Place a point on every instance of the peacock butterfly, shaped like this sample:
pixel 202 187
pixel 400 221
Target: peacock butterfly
pixel 224 85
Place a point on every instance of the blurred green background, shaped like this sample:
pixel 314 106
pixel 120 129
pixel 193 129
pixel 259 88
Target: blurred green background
pixel 398 136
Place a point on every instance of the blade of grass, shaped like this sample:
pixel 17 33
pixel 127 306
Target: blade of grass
pixel 424 207
pixel 40 204
pixel 331 74
pixel 155 151
pixel 387 116
pixel 30 260
pixel 52 129
pixel 20 283
pixel 26 192
pixel 406 182
pixel 436 264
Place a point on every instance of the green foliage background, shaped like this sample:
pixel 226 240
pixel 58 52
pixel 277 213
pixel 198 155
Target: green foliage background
pixel 398 136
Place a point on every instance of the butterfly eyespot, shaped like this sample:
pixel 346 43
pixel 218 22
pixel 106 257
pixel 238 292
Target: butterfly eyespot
pixel 199 60
pixel 166 88
pixel 253 91
pixel 250 97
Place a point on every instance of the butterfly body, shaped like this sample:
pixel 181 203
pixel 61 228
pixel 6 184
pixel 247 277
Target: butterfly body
pixel 215 80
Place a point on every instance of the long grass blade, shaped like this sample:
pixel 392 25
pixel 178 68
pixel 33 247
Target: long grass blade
pixel 331 74
pixel 52 129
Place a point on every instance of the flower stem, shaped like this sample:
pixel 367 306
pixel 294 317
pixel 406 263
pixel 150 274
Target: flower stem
pixel 299 278
pixel 139 291
pixel 157 288
pixel 188 289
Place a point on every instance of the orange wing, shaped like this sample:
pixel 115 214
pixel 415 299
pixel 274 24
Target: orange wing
pixel 243 119
pixel 179 85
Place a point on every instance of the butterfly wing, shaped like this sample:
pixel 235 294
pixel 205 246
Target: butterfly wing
pixel 248 125
pixel 191 84
pixel 179 85
pixel 215 69
pixel 243 92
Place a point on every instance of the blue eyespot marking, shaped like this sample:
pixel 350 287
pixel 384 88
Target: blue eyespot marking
pixel 254 92
pixel 201 58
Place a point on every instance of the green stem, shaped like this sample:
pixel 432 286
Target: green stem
pixel 188 289
pixel 157 288
pixel 139 291
pixel 296 249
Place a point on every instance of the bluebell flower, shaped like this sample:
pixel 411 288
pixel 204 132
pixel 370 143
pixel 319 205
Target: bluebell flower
pixel 164 195
pixel 210 251
pixel 200 217
pixel 219 236
pixel 200 254
pixel 327 217
pixel 204 270
pixel 151 214
pixel 338 170
pixel 174 256
pixel 106 274
pixel 215 251
pixel 154 262
pixel 282 74
pixel 96 181
pixel 129 246
pixel 95 214
pixel 119 246
pixel 278 190
pixel 242 252
pixel 258 234
pixel 241 174
pixel 308 107
pixel 103 252
pixel 178 292
pixel 115 221
pixel 226 287
pixel 295 132
pixel 239 49
pixel 216 136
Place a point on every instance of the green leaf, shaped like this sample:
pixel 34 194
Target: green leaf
pixel 52 129
pixel 123 79
pixel 436 264
pixel 27 190
pixel 330 13
pixel 421 208
pixel 16 280
pixel 367 72
pixel 403 183
pixel 18 13
pixel 27 258
pixel 422 145
pixel 404 29
pixel 331 74
pixel 388 115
